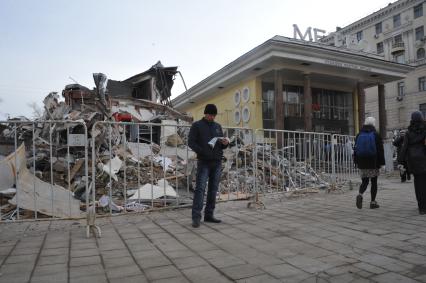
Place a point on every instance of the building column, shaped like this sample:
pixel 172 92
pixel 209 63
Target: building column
pixel 307 98
pixel 361 105
pixel 279 106
pixel 279 101
pixel 382 111
pixel 355 118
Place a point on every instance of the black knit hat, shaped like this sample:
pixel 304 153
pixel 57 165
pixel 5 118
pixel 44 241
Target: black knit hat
pixel 417 116
pixel 210 109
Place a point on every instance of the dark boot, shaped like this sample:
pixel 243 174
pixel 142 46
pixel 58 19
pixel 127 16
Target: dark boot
pixel 195 223
pixel 211 219
pixel 359 201
pixel 374 205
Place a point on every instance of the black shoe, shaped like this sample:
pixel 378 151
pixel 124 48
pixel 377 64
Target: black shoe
pixel 374 205
pixel 195 223
pixel 211 219
pixel 422 211
pixel 359 201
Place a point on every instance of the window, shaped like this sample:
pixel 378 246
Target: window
pixel 399 57
pixel 397 38
pixel 401 88
pixel 379 47
pixel 422 83
pixel 293 99
pixel 359 35
pixel 422 108
pixel 268 105
pixel 420 34
pixel 420 53
pixel 379 28
pixel 330 104
pixel 418 11
pixel 396 20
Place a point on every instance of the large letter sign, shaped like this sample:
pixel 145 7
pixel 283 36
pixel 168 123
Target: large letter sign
pixel 308 33
pixel 297 32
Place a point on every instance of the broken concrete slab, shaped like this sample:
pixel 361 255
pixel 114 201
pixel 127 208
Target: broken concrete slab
pixel 35 194
pixel 151 192
pixel 183 152
pixel 112 167
pixel 140 150
pixel 52 200
pixel 165 162
pixel 9 167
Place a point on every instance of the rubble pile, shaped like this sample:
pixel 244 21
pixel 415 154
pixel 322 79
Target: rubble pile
pixel 137 145
pixel 280 170
pixel 142 172
pixel 46 157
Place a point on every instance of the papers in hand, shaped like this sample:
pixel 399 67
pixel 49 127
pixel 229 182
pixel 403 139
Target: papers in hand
pixel 213 141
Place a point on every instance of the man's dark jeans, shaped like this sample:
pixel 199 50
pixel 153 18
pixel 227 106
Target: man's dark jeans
pixel 206 171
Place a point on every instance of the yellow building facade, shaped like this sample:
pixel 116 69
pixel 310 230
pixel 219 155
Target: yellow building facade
pixel 231 105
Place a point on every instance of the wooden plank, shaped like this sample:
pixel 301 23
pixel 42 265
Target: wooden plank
pixel 76 168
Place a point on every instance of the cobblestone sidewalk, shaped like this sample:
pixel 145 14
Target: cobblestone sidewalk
pixel 321 238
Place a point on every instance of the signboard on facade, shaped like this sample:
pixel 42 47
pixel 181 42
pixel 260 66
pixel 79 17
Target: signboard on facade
pixel 346 65
pixel 76 140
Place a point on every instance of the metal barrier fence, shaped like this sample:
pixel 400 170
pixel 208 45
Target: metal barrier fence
pixel 342 157
pixel 292 160
pixel 144 166
pixel 38 176
pixel 141 166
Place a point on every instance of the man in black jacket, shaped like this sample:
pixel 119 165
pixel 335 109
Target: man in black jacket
pixel 414 152
pixel 209 154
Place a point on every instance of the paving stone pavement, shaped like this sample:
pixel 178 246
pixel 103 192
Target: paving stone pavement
pixel 321 238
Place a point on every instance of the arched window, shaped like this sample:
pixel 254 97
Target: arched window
pixel 420 53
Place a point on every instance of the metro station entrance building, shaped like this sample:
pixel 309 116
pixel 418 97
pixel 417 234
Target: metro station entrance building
pixel 290 84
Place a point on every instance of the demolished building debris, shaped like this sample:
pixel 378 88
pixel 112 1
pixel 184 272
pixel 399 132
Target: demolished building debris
pixel 34 194
pixel 136 143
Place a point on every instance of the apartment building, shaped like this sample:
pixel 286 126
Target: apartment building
pixel 397 34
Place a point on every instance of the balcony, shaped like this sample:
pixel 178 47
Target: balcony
pixel 417 62
pixel 397 47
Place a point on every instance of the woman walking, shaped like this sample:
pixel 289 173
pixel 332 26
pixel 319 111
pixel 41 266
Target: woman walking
pixel 369 157
pixel 414 152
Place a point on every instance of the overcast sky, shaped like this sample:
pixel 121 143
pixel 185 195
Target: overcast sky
pixel 43 44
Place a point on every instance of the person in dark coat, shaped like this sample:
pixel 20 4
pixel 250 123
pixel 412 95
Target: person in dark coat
pixel 403 171
pixel 414 152
pixel 369 166
pixel 209 163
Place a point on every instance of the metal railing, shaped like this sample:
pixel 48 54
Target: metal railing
pixel 137 167
pixel 292 160
pixel 144 166
pixel 342 158
pixel 37 173
pixel 398 45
